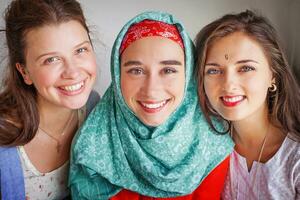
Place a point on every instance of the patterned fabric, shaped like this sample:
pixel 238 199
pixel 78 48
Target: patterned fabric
pixel 210 188
pixel 147 28
pixel 115 150
pixel 40 186
pixel 278 178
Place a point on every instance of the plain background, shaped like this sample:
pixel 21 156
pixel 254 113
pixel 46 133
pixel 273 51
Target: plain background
pixel 106 18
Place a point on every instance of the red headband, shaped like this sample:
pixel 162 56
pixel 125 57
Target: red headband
pixel 148 28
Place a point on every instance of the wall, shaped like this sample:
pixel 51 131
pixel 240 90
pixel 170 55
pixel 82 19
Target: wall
pixel 106 19
pixel 293 38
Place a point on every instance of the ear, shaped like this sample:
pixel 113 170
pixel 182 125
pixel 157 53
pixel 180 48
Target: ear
pixel 24 72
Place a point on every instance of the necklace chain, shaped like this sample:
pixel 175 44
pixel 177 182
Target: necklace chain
pixel 258 161
pixel 58 143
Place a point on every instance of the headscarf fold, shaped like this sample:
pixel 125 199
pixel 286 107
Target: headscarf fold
pixel 114 150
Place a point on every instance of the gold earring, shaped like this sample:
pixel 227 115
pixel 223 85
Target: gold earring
pixel 273 88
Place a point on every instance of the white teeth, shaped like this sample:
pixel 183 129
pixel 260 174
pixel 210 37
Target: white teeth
pixel 233 99
pixel 72 88
pixel 154 105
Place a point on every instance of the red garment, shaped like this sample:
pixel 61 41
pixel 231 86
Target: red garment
pixel 210 189
pixel 147 28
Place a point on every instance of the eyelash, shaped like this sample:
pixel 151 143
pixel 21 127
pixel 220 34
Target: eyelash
pixel 169 70
pixel 135 71
pixel 81 50
pixel 246 68
pixel 213 71
pixel 51 60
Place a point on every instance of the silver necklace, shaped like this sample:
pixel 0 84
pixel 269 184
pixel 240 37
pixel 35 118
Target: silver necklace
pixel 58 140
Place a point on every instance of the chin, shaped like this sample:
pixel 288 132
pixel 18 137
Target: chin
pixel 76 104
pixel 233 117
pixel 153 122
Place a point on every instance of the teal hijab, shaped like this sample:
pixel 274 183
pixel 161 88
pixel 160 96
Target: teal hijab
pixel 114 150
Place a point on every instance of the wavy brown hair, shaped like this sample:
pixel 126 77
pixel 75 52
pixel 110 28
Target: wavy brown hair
pixel 284 103
pixel 19 116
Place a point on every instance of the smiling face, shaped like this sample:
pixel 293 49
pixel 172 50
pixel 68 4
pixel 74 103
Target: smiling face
pixel 60 63
pixel 237 77
pixel 153 78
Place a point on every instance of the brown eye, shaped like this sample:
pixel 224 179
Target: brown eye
pixel 136 71
pixel 169 70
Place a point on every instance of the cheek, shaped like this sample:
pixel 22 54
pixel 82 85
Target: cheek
pixel 258 87
pixel 93 67
pixel 211 90
pixel 129 87
pixel 90 65
pixel 44 78
pixel 176 86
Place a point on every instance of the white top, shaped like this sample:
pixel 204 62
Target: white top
pixel 52 185
pixel 278 178
pixel 41 186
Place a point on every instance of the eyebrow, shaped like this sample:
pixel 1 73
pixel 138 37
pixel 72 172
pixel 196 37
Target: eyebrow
pixel 55 52
pixel 82 43
pixel 245 61
pixel 170 62
pixel 45 54
pixel 213 64
pixel 238 62
pixel 164 62
pixel 132 62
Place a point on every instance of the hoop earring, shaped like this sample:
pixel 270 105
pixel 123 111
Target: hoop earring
pixel 273 88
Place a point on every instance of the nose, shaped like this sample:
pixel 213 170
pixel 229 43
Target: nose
pixel 151 85
pixel 70 70
pixel 230 81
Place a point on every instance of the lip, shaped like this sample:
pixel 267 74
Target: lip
pixel 153 106
pixel 72 89
pixel 231 101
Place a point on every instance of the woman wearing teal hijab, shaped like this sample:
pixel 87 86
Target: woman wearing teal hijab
pixel 155 154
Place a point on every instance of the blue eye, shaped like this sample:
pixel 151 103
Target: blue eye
pixel 51 60
pixel 246 68
pixel 136 71
pixel 213 71
pixel 81 50
pixel 169 70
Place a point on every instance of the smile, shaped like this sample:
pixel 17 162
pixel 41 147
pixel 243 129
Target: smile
pixel 153 107
pixel 231 101
pixel 73 88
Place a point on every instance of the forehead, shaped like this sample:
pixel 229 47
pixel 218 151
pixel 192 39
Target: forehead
pixel 236 46
pixel 55 36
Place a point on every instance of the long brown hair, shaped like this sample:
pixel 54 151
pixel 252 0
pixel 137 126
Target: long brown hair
pixel 19 116
pixel 284 103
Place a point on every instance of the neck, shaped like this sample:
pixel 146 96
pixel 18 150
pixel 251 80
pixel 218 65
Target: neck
pixel 54 118
pixel 250 134
pixel 251 131
pixel 257 138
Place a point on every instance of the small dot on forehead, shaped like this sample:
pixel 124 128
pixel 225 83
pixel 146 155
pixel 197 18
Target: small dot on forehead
pixel 226 56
